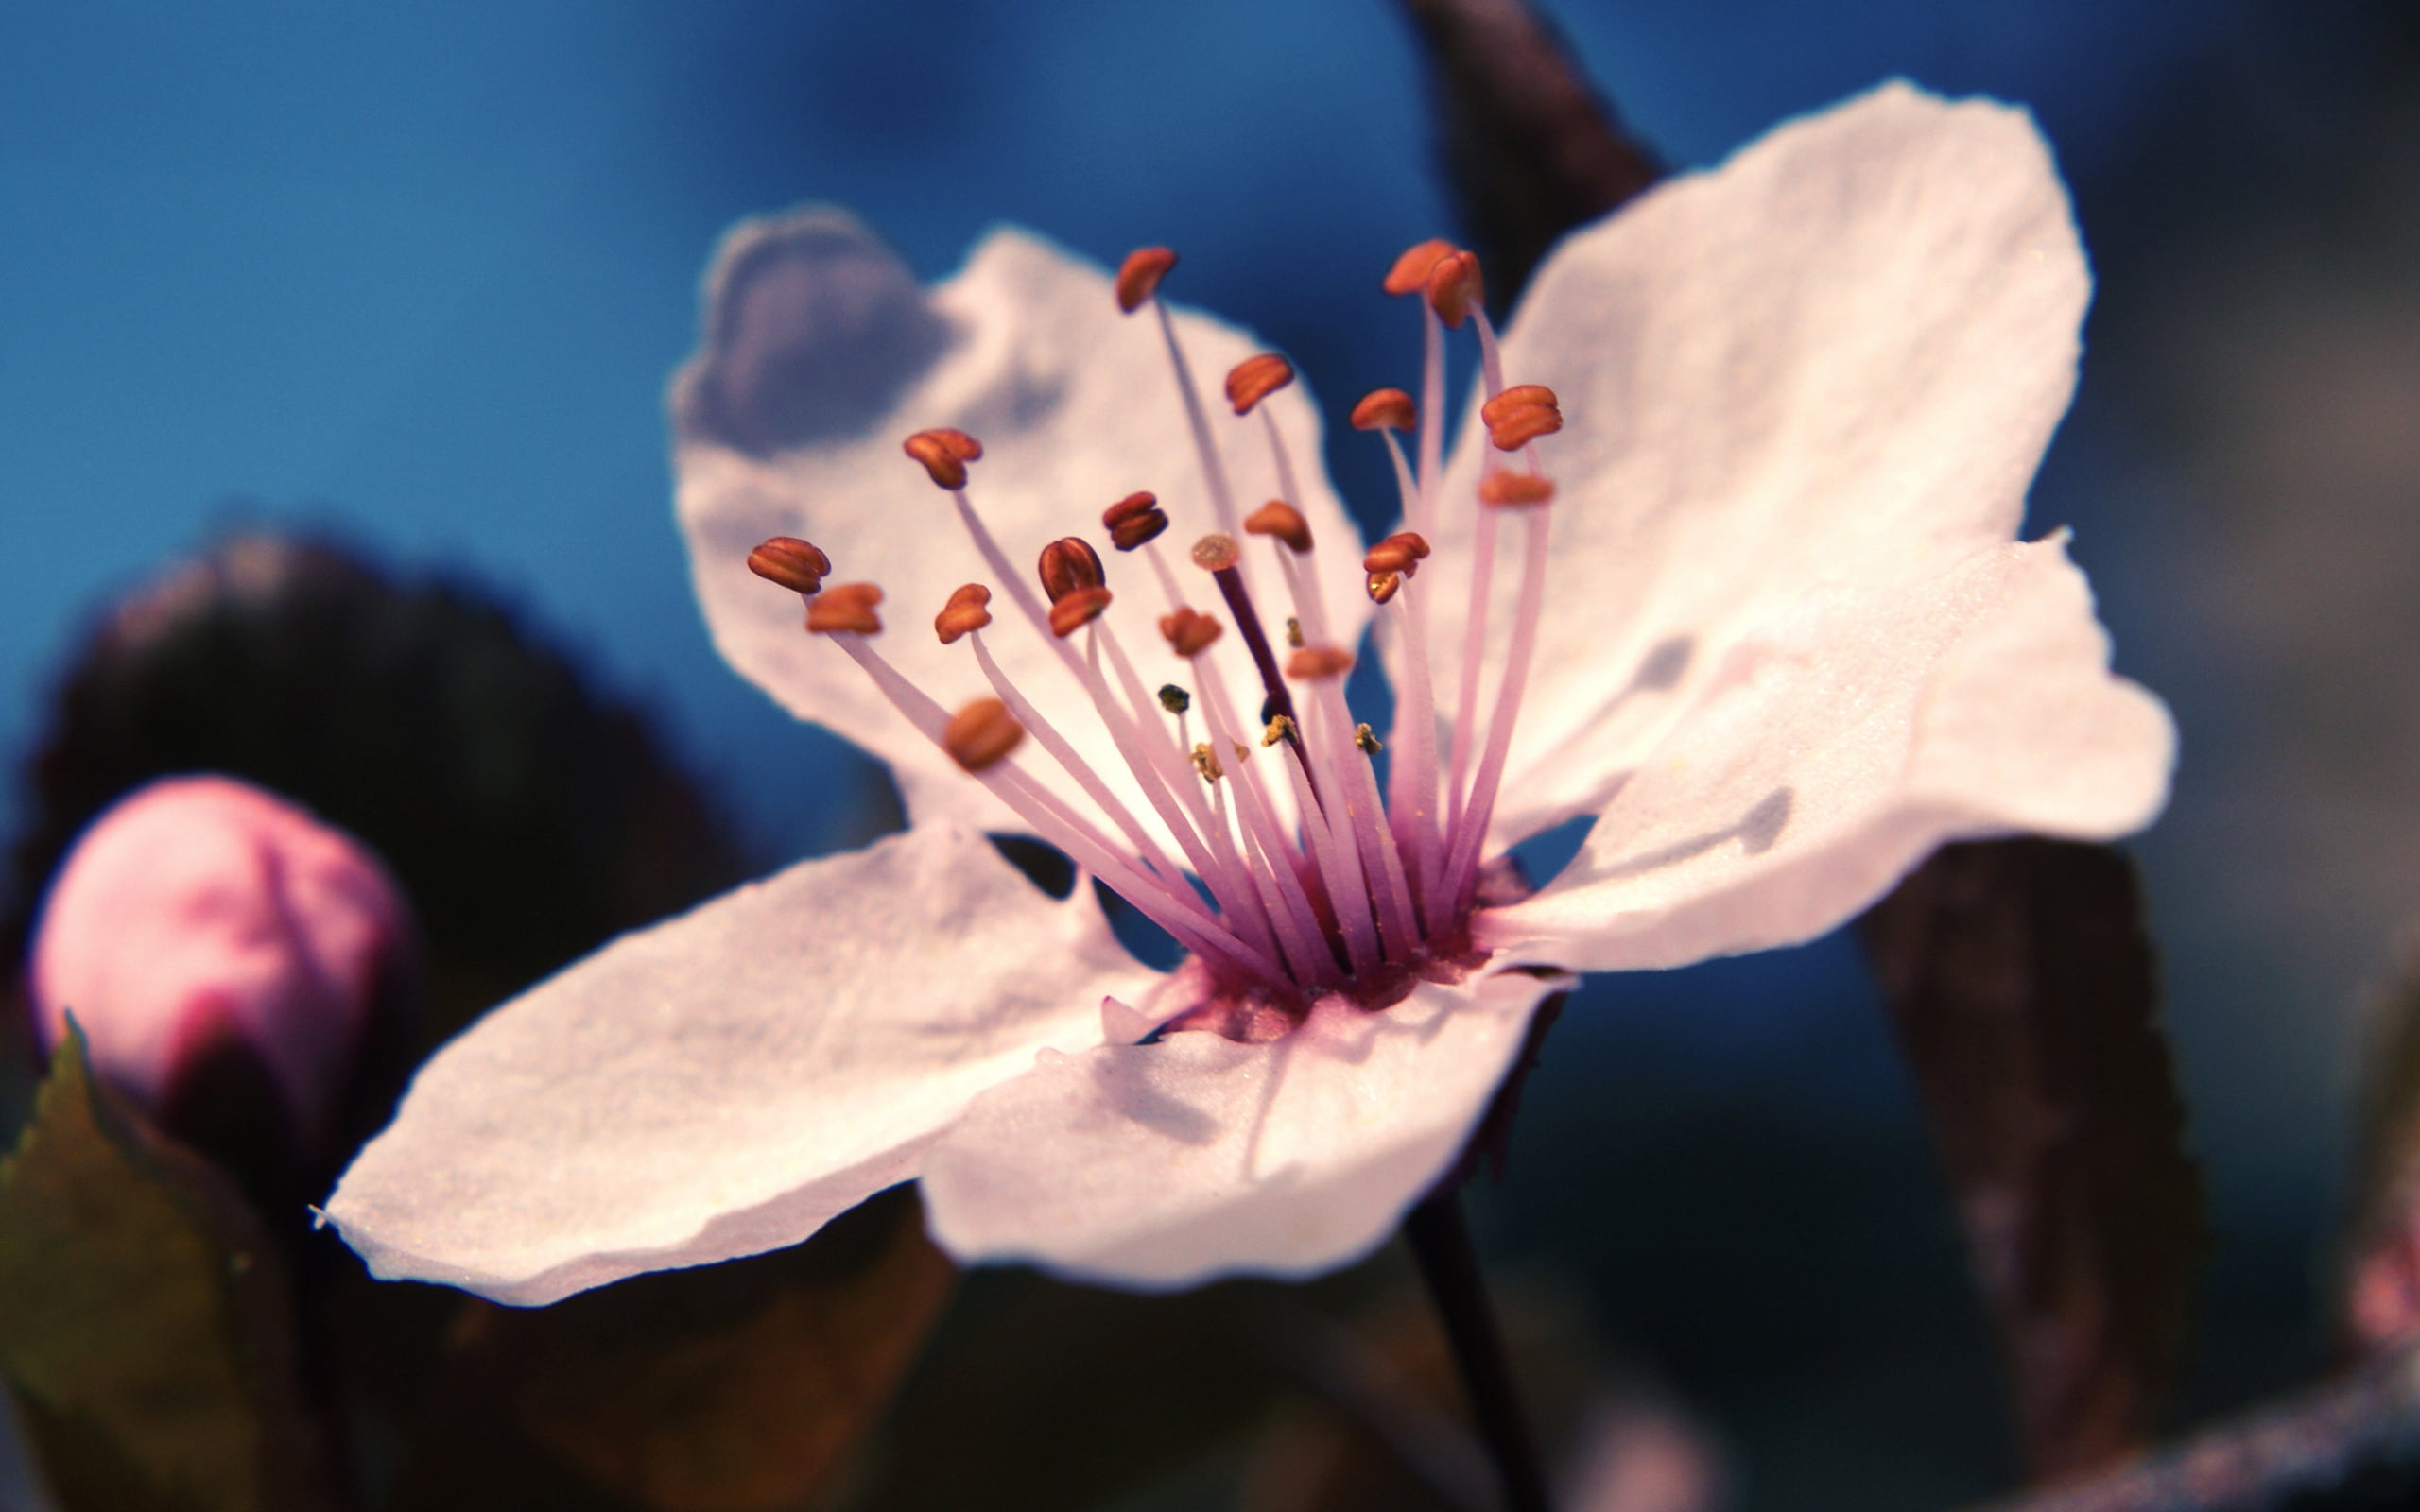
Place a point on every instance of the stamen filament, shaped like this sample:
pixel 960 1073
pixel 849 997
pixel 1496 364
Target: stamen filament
pixel 1346 898
pixel 1412 779
pixel 1214 474
pixel 1230 587
pixel 1013 579
pixel 1464 865
pixel 1432 418
pixel 1358 794
pixel 1474 652
pixel 1297 921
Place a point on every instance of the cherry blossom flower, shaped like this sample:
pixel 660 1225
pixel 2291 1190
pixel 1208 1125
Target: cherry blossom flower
pixel 1758 607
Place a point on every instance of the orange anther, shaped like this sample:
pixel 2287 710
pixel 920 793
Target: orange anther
pixel 1506 489
pixel 1068 564
pixel 1455 288
pixel 1319 661
pixel 963 612
pixel 1256 378
pixel 1133 520
pixel 846 607
pixel 791 562
pixel 1410 274
pixel 1214 552
pixel 1073 611
pixel 1282 519
pixel 1520 414
pixel 981 734
pixel 1138 277
pixel 1385 410
pixel 1384 586
pixel 1398 553
pixel 944 454
pixel 1189 632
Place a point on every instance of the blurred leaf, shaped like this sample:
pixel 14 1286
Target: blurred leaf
pixel 2023 985
pixel 145 1319
pixel 739 1387
pixel 1531 149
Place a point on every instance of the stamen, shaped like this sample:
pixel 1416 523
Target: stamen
pixel 963 612
pixel 1384 586
pixel 980 735
pixel 1455 288
pixel 1281 888
pixel 1067 565
pixel 1367 739
pixel 1319 661
pixel 1280 520
pixel 1138 277
pixel 1076 609
pixel 1512 490
pixel 1294 633
pixel 1385 410
pixel 1174 699
pixel 1462 865
pixel 1256 378
pixel 1189 632
pixel 1412 780
pixel 1133 520
pixel 1214 552
pixel 1410 274
pixel 1205 760
pixel 1217 553
pixel 1399 553
pixel 791 562
pixel 1520 414
pixel 846 607
pixel 944 454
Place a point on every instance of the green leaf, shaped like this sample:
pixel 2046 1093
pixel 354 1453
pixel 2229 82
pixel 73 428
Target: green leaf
pixel 2024 989
pixel 144 1319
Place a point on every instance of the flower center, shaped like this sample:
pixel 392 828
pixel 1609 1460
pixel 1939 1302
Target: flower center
pixel 1358 894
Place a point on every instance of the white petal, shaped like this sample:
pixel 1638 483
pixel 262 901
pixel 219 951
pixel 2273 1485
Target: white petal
pixel 1837 358
pixel 1076 408
pixel 1829 754
pixel 725 1083
pixel 1163 1165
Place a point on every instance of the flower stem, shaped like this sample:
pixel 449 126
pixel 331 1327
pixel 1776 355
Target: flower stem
pixel 1440 1237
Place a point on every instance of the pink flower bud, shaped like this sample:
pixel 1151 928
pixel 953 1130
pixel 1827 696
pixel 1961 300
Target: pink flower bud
pixel 200 915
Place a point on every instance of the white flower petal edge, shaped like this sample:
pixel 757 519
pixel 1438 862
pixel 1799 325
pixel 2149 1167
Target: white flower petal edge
pixel 727 1082
pixel 1833 750
pixel 1837 358
pixel 820 355
pixel 1165 1165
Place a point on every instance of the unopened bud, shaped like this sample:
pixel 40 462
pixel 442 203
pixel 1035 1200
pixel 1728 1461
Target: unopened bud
pixel 1133 520
pixel 846 607
pixel 1455 288
pixel 964 612
pixel 1189 632
pixel 981 734
pixel 791 562
pixel 1074 609
pixel 1214 552
pixel 1385 410
pixel 944 454
pixel 1282 521
pixel 1256 378
pixel 218 945
pixel 1520 414
pixel 1410 274
pixel 1067 565
pixel 1506 489
pixel 1138 277
pixel 1313 662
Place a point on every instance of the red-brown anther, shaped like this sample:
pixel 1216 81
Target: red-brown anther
pixel 981 734
pixel 1399 553
pixel 1071 612
pixel 1133 520
pixel 1505 489
pixel 1214 552
pixel 1189 632
pixel 1385 410
pixel 791 562
pixel 1068 564
pixel 1138 277
pixel 1319 661
pixel 1254 379
pixel 1410 274
pixel 963 612
pixel 1282 519
pixel 846 607
pixel 1455 288
pixel 1520 414
pixel 944 454
pixel 1384 586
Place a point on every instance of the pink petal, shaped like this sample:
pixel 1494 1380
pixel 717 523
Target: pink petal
pixel 1166 1164
pixel 1830 753
pixel 726 1082
pixel 1836 359
pixel 1075 405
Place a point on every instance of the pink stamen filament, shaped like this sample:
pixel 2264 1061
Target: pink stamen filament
pixel 1432 419
pixel 1214 475
pixel 1413 776
pixel 1265 835
pixel 1462 868
pixel 1013 580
